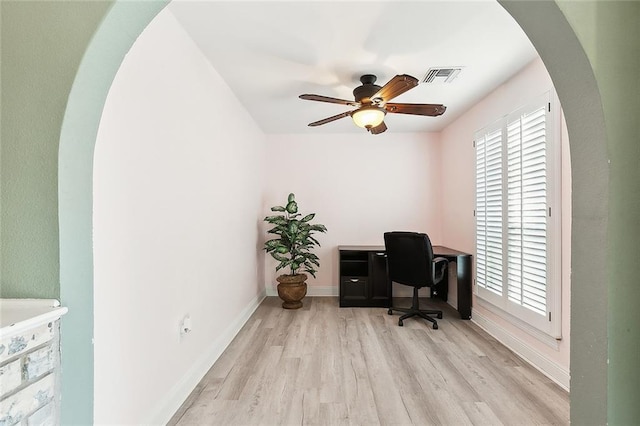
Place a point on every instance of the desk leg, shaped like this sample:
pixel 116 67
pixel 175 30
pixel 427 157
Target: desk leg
pixel 441 291
pixel 464 286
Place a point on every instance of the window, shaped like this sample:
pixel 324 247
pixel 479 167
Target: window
pixel 517 234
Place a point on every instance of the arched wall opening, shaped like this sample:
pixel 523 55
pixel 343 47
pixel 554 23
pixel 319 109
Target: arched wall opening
pixel 559 48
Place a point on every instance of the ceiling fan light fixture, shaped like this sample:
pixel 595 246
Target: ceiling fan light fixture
pixel 368 116
pixel 373 103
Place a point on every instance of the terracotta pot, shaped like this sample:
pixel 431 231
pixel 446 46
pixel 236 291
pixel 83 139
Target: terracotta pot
pixel 292 289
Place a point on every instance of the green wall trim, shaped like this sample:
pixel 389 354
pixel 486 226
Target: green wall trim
pixel 119 30
pixel 616 61
pixel 570 68
pixel 36 79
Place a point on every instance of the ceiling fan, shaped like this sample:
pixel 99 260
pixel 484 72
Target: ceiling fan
pixel 372 102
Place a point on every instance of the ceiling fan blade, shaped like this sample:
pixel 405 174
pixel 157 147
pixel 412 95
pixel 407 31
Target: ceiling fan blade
pixel 329 100
pixel 432 110
pixel 378 129
pixel 330 119
pixel 395 87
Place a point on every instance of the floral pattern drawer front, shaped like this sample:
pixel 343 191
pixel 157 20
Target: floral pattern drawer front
pixel 29 377
pixel 26 341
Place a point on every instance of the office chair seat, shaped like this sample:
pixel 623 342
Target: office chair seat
pixel 410 262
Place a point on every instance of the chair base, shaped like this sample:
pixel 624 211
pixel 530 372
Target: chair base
pixel 416 311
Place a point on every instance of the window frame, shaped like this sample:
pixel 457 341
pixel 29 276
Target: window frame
pixel 550 323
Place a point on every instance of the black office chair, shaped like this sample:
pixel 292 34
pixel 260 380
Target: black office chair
pixel 410 262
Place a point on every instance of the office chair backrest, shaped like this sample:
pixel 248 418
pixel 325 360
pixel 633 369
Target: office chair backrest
pixel 409 258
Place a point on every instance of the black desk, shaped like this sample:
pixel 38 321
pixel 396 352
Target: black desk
pixel 463 270
pixel 360 286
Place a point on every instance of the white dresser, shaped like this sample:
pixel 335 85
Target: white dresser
pixel 30 361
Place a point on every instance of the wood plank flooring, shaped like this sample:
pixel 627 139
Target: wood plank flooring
pixel 325 365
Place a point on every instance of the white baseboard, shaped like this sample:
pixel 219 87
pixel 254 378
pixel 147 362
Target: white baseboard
pixel 168 405
pixel 312 291
pixel 334 291
pixel 549 368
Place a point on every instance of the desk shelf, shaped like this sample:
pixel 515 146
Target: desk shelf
pixel 363 278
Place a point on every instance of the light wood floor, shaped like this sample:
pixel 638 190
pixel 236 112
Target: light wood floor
pixel 325 365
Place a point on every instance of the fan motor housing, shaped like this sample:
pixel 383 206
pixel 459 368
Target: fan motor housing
pixel 364 93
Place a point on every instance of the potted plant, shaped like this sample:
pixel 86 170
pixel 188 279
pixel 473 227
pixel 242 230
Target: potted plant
pixel 292 248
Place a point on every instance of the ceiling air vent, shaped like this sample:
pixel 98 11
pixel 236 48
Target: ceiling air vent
pixel 441 75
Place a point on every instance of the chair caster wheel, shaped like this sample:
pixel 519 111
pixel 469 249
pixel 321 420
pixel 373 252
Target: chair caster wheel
pixel 439 316
pixel 400 323
pixel 390 312
pixel 435 326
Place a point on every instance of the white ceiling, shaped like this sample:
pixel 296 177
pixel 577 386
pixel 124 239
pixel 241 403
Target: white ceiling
pixel 269 52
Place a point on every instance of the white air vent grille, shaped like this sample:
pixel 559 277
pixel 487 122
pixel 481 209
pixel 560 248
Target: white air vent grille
pixel 441 75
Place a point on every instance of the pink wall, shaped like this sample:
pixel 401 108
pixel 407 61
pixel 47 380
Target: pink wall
pixel 359 185
pixel 458 222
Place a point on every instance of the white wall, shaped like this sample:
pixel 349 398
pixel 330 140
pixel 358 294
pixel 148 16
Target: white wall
pixel 359 186
pixel 458 203
pixel 177 212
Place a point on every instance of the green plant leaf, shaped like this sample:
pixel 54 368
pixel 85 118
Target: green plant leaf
pixel 272 243
pixel 292 207
pixel 319 228
pixel 308 217
pixel 279 219
pixel 278 209
pixel 291 197
pixel 311 271
pixel 293 227
pixel 278 256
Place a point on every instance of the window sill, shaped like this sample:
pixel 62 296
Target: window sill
pixel 539 335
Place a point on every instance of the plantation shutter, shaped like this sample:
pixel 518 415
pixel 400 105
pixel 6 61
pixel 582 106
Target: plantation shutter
pixel 514 262
pixel 527 210
pixel 489 211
